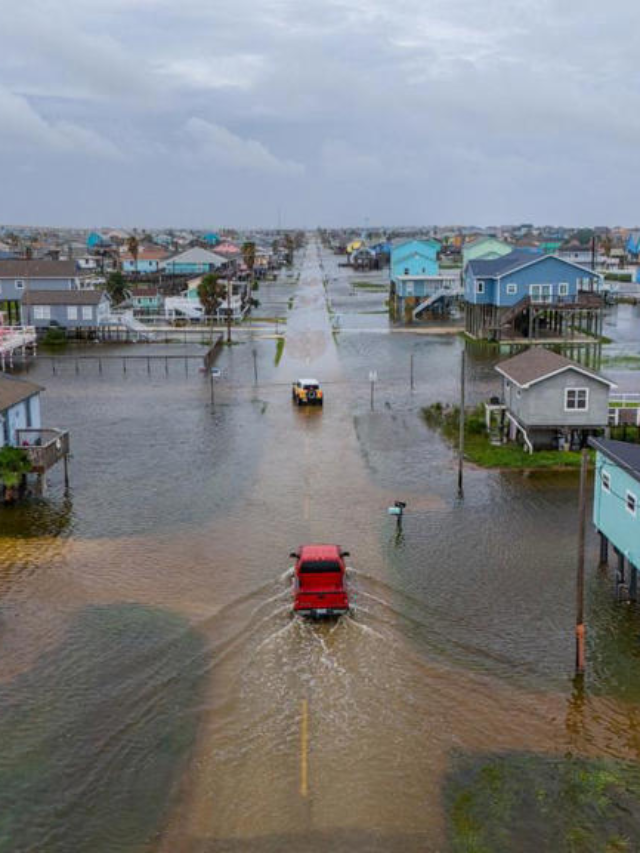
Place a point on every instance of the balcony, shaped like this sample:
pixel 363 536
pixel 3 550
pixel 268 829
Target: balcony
pixel 44 447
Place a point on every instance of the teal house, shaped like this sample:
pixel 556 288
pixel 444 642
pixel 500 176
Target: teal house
pixel 416 283
pixel 414 258
pixel 485 248
pixel 616 504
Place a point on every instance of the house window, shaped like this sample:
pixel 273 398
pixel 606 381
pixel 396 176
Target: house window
pixel 631 502
pixel 512 289
pixel 563 288
pixel 479 286
pixel 406 271
pixel 606 481
pixel 87 313
pixel 19 284
pixel 576 399
pixel 41 312
pixel 540 292
pixel 72 312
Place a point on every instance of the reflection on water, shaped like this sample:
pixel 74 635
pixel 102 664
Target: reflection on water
pixel 94 736
pixel 461 643
pixel 38 517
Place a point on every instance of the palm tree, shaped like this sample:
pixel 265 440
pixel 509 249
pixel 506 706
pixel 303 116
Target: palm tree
pixel 249 256
pixel 133 245
pixel 211 293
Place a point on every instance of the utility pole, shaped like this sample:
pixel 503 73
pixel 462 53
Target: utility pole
pixel 373 378
pixel 461 434
pixel 228 311
pixel 582 512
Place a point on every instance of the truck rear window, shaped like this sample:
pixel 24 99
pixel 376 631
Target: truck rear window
pixel 310 566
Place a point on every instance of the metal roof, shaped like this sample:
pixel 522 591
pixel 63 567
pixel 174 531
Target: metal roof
pixel 14 391
pixel 624 455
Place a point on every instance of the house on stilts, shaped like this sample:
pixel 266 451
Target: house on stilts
pixel 521 296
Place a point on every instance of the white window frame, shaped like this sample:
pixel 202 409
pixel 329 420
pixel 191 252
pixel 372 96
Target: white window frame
pixel 512 288
pixel 42 312
pixel 544 293
pixel 72 312
pixel 605 479
pixel 576 408
pixel 87 312
pixel 480 287
pixel 19 283
pixel 634 501
pixel 563 288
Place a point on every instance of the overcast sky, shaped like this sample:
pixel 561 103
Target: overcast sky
pixel 206 113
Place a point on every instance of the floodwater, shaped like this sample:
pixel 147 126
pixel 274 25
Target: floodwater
pixel 155 693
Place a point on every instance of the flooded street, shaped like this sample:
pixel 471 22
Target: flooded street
pixel 155 692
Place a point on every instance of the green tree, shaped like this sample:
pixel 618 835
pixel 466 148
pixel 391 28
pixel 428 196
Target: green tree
pixel 14 464
pixel 584 235
pixel 117 287
pixel 249 256
pixel 211 293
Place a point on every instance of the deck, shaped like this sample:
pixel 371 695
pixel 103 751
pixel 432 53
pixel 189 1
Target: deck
pixel 44 447
pixel 15 338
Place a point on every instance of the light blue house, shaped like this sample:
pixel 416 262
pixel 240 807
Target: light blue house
pixel 530 296
pixel 416 282
pixel 633 245
pixel 414 258
pixel 194 261
pixel 616 503
pixel 95 240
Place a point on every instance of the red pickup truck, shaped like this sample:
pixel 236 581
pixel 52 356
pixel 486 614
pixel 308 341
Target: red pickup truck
pixel 319 581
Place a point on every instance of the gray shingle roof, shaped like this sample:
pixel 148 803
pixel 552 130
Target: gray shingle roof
pixel 62 297
pixel 13 391
pixel 500 266
pixel 196 255
pixel 536 363
pixel 625 455
pixel 24 269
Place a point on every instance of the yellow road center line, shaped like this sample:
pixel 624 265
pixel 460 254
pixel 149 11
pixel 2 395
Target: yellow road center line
pixel 304 749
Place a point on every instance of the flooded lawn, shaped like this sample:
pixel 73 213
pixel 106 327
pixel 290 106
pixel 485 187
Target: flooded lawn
pixel 152 678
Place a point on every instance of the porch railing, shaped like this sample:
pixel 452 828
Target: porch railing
pixel 44 447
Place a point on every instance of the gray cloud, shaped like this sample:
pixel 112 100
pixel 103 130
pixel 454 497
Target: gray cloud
pixel 336 110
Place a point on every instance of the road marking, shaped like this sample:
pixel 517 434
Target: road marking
pixel 304 750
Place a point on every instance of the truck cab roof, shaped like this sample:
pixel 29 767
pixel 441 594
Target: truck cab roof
pixel 320 552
